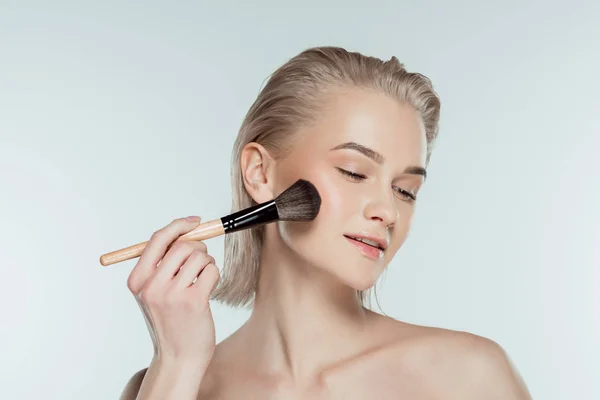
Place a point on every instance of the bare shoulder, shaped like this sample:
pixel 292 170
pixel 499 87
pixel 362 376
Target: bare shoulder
pixel 470 365
pixel 132 387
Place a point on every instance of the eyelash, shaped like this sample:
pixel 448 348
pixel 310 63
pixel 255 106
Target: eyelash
pixel 359 177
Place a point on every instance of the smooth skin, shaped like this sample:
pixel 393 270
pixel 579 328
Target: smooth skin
pixel 308 337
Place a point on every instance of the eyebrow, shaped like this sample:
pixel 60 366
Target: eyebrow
pixel 378 158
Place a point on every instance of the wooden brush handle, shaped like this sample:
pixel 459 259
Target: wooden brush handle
pixel 205 230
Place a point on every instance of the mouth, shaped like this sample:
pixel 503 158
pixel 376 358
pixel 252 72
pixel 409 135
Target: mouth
pixel 367 247
pixel 373 243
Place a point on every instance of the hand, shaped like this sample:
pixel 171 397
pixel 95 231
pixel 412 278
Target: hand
pixel 173 291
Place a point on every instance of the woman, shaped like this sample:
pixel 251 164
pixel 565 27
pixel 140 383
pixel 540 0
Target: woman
pixel 361 130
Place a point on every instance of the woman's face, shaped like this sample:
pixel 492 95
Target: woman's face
pixel 378 202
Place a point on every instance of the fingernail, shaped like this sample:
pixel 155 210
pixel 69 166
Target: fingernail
pixel 193 219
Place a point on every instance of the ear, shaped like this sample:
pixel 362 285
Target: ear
pixel 258 172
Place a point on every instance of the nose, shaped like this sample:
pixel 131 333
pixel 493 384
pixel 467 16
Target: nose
pixel 382 208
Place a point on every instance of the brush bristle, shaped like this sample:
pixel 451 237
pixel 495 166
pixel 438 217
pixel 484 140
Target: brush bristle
pixel 299 202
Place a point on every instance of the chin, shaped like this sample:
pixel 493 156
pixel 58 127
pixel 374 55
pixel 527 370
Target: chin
pixel 358 284
pixel 357 277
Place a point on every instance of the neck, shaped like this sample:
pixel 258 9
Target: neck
pixel 303 319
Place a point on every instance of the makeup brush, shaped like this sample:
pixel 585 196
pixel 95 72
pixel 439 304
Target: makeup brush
pixel 299 202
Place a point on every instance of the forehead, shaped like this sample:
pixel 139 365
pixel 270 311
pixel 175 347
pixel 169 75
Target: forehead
pixel 371 119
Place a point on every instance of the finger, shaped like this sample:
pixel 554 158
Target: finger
pixel 192 268
pixel 207 281
pixel 155 250
pixel 176 256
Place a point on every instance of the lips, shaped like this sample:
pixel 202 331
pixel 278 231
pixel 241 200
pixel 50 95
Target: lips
pixel 367 241
pixel 368 250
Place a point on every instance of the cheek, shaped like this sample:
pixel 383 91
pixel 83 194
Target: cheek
pixel 333 202
pixel 329 221
pixel 338 204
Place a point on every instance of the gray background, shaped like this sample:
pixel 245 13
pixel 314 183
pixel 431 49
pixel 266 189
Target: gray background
pixel 118 116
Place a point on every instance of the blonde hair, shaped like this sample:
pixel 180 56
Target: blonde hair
pixel 292 98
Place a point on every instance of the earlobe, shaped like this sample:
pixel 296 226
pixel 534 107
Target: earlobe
pixel 256 167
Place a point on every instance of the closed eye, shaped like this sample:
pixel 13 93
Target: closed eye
pixel 407 194
pixel 352 175
pixel 359 177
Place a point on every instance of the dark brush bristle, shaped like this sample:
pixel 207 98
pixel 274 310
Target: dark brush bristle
pixel 299 202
